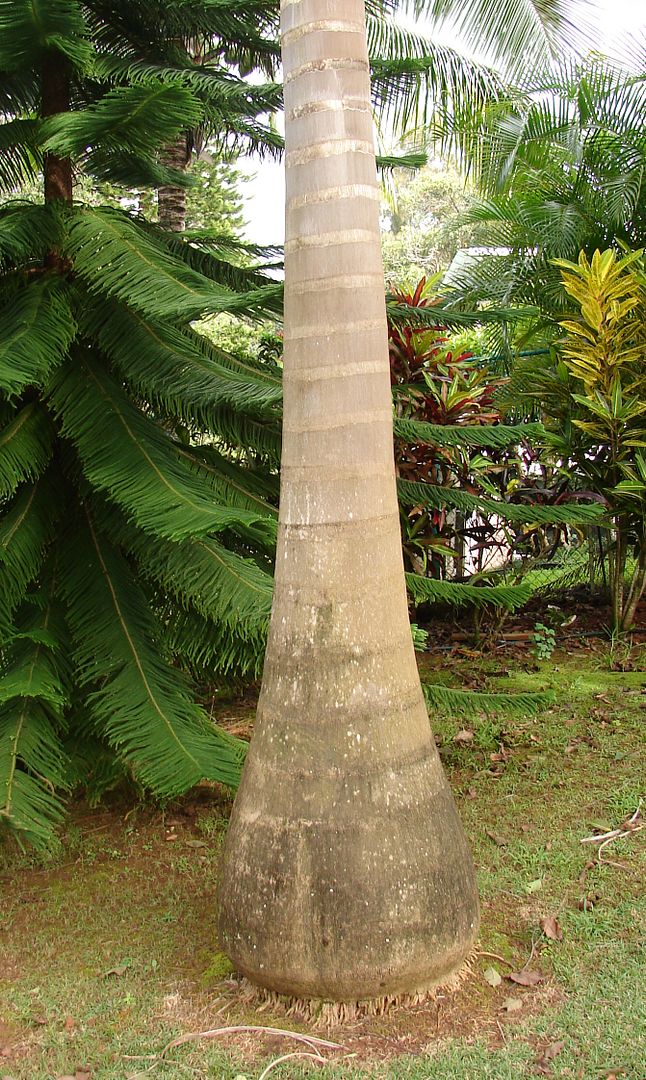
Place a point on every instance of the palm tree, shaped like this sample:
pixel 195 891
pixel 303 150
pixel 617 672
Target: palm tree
pixel 347 874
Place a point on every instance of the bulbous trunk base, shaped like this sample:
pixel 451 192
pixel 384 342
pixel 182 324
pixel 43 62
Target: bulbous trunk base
pixel 364 891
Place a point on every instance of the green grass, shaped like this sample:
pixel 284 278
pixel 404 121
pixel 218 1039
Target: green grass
pixel 108 949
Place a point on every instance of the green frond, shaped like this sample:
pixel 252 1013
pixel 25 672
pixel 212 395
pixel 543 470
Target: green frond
pixel 20 158
pixel 30 27
pixel 32 698
pixel 444 498
pixel 494 436
pixel 117 138
pixel 142 705
pixel 36 330
pixel 473 703
pixel 222 259
pixel 222 586
pixel 413 160
pixel 27 232
pixel 243 433
pixel 175 369
pixel 444 313
pixel 127 455
pixel 26 527
pixel 214 650
pixel 117 258
pixel 247 486
pixel 30 756
pixel 216 84
pixel 509 597
pixel 25 448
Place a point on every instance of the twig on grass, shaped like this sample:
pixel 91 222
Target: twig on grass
pixel 495 956
pixel 286 1057
pixel 311 1041
pixel 212 1033
pixel 626 829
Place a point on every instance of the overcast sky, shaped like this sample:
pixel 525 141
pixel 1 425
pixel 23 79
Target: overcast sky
pixel 264 193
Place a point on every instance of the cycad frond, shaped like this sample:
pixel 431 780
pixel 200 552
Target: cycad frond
pixel 20 157
pixel 141 703
pixel 472 703
pixel 27 233
pixel 126 455
pixel 25 448
pixel 36 330
pixel 494 436
pixel 32 697
pixel 247 486
pixel 26 527
pixel 446 498
pixel 174 369
pixel 117 138
pixel 116 258
pixel 509 597
pixel 224 587
pixel 28 29
pixel 216 650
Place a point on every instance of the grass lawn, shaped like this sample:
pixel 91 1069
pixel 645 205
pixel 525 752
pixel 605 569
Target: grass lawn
pixel 108 953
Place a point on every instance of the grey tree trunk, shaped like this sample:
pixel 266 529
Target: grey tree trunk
pixel 346 872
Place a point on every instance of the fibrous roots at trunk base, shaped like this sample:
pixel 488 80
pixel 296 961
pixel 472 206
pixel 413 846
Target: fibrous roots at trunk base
pixel 330 1014
pixel 346 873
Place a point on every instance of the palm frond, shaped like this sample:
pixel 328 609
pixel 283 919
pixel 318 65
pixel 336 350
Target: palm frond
pixel 140 702
pixel 458 594
pixel 25 448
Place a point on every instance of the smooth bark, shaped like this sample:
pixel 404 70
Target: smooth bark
pixel 346 872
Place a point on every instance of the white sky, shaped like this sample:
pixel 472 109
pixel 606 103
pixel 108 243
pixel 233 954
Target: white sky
pixel 264 193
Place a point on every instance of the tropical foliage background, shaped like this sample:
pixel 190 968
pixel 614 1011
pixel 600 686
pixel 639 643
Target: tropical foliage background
pixel 140 377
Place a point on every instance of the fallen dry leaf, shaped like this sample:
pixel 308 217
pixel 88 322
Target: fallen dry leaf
pixel 551 928
pixel 196 843
pixel 549 1053
pixel 464 736
pixel 512 1004
pixel 497 839
pixel 527 978
pixel 69 1024
pixel 492 976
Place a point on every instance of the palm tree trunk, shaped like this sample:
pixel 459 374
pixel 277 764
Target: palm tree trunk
pixel 346 871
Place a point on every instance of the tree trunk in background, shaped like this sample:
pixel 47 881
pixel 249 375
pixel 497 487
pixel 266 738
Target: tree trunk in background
pixel 58 177
pixel 171 200
pixel 346 873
